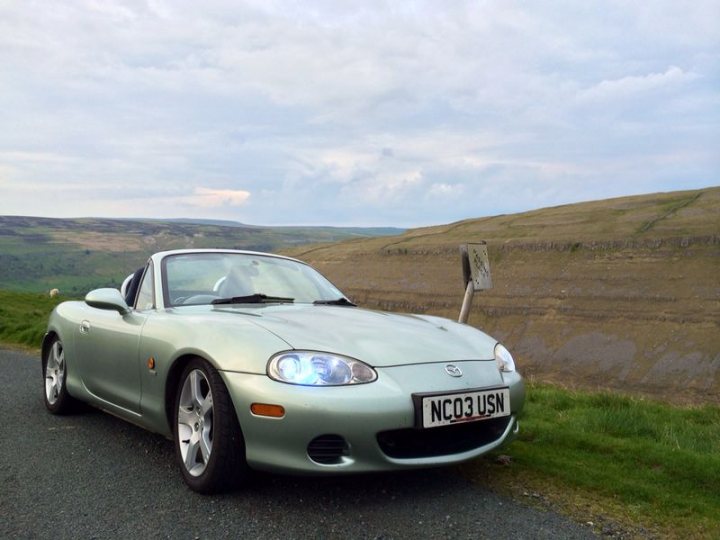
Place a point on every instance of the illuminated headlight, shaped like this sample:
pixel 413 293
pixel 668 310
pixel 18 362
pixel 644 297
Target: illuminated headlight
pixel 318 369
pixel 504 359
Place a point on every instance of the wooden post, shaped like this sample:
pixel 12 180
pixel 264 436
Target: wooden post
pixel 467 302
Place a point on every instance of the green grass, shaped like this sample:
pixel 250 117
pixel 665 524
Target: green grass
pixel 639 462
pixel 23 317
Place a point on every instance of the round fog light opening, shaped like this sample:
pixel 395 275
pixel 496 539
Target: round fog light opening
pixel 328 449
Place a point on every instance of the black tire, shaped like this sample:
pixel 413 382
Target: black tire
pixel 54 369
pixel 223 467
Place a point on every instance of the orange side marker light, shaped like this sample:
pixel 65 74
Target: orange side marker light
pixel 265 409
pixel 151 363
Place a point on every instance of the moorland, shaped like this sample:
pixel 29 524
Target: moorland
pixel 619 294
pixel 76 255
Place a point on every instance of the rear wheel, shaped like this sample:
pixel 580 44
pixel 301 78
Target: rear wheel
pixel 57 399
pixel 209 445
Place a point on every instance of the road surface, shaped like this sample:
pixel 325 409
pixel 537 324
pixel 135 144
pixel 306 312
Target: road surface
pixel 93 476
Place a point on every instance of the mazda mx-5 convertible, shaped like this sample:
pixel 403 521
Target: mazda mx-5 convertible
pixel 256 361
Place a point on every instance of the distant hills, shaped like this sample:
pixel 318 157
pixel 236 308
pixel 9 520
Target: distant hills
pixel 320 231
pixel 75 255
pixel 621 293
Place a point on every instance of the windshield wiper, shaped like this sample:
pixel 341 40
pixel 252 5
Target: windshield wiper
pixel 257 298
pixel 338 302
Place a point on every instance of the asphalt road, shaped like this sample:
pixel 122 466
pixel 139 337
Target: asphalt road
pixel 94 476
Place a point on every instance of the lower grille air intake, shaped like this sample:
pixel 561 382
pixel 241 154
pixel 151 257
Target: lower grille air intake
pixel 440 441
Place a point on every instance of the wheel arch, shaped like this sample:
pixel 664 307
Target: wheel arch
pixel 47 342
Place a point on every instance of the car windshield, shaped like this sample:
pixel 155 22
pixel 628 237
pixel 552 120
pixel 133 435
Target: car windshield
pixel 227 278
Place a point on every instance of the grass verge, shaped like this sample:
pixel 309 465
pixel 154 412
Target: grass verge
pixel 604 458
pixel 24 316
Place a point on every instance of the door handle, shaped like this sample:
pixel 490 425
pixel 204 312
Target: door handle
pixel 85 327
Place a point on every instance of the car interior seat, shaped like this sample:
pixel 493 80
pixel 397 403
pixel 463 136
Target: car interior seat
pixel 133 287
pixel 237 283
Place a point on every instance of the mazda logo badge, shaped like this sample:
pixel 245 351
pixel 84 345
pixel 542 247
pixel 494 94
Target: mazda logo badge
pixel 453 370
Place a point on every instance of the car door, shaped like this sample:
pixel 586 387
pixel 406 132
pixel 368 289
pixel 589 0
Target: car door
pixel 108 345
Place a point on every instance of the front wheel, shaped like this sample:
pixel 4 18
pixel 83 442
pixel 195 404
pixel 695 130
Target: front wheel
pixel 57 399
pixel 209 445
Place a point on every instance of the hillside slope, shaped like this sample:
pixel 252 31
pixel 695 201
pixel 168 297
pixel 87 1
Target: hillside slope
pixel 621 293
pixel 76 255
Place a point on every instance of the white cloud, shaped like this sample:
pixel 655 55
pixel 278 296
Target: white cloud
pixel 384 188
pixel 213 198
pixel 630 86
pixel 444 190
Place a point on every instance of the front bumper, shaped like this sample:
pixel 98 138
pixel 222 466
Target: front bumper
pixel 375 420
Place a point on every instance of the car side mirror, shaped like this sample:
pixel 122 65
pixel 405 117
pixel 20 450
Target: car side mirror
pixel 110 299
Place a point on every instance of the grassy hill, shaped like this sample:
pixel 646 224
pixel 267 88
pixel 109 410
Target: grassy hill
pixel 75 255
pixel 621 293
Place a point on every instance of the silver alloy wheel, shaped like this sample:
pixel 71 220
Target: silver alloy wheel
pixel 54 372
pixel 195 422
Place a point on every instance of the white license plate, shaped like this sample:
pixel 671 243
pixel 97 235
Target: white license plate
pixel 448 409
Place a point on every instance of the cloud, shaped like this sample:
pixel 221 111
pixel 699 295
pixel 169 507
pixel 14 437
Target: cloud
pixel 630 86
pixel 213 198
pixel 444 190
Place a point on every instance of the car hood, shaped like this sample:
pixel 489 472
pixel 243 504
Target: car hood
pixel 375 337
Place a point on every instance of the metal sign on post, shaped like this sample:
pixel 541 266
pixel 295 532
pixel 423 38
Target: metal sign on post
pixel 476 274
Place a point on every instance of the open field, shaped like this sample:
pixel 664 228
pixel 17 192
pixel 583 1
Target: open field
pixel 621 294
pixel 24 316
pixel 76 255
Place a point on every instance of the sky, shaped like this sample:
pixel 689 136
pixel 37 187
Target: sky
pixel 350 113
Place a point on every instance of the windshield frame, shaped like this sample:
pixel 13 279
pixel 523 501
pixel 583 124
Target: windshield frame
pixel 325 288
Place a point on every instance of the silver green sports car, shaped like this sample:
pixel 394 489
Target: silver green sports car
pixel 256 361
